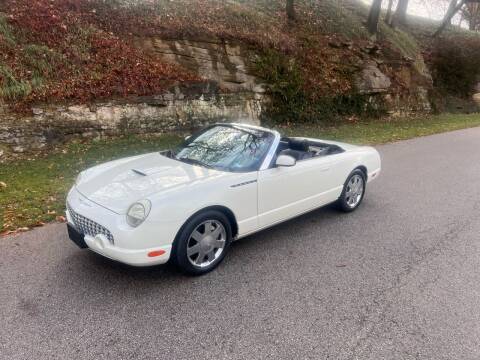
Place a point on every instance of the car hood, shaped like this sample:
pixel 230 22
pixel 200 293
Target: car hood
pixel 118 184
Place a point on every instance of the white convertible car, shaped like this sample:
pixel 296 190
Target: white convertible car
pixel 223 183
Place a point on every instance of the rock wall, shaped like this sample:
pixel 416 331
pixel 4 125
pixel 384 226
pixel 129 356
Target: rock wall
pixel 226 63
pixel 230 92
pixel 179 110
pixel 401 85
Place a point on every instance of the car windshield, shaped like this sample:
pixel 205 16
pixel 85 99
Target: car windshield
pixel 226 148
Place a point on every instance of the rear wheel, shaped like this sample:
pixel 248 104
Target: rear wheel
pixel 353 191
pixel 203 243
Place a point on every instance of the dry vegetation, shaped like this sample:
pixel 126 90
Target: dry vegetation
pixel 59 54
pixel 80 50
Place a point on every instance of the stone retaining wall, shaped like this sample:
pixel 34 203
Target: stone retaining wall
pixel 180 110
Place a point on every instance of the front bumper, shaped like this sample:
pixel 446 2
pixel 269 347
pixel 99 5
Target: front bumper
pixel 77 237
pixel 102 246
pixel 130 246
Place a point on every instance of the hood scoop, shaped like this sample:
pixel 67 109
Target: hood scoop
pixel 139 172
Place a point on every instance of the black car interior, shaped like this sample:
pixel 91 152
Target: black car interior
pixel 302 149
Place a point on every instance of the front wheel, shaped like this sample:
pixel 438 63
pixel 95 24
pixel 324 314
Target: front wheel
pixel 202 243
pixel 353 191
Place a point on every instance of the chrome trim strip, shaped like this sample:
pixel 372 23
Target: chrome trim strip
pixel 244 183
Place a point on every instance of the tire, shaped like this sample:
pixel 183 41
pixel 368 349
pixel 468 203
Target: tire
pixel 200 236
pixel 348 201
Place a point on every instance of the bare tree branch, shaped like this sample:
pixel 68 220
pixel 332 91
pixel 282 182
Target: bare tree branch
pixel 454 7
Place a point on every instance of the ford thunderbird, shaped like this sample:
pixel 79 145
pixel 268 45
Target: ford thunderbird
pixel 188 204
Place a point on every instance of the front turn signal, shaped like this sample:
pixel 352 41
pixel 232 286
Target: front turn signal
pixel 156 253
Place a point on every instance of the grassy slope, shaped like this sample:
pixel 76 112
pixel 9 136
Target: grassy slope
pixel 35 191
pixel 79 51
pixel 61 54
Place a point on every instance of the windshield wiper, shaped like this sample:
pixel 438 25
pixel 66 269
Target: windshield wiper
pixel 168 153
pixel 194 162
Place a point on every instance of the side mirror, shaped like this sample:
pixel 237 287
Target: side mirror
pixel 187 137
pixel 285 161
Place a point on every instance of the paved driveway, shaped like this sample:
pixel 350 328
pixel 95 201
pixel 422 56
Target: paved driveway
pixel 398 279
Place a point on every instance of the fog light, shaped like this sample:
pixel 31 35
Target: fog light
pixel 100 240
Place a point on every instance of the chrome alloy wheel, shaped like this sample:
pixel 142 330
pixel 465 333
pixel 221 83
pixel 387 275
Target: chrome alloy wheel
pixel 206 243
pixel 354 191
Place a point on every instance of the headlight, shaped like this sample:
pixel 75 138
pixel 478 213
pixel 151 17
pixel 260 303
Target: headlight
pixel 138 212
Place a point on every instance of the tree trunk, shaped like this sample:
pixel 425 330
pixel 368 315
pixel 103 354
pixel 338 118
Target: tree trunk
pixel 451 8
pixel 388 17
pixel 471 13
pixel 290 10
pixel 374 16
pixel 400 16
pixel 448 17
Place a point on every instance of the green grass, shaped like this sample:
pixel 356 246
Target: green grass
pixel 384 131
pixel 35 189
pixel 6 31
pixel 12 88
pixel 406 43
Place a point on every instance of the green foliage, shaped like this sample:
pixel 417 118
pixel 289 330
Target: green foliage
pixel 291 102
pixel 38 58
pixel 6 31
pixel 403 41
pixel 285 82
pixel 455 63
pixel 10 87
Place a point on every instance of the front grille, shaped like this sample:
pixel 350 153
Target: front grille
pixel 87 226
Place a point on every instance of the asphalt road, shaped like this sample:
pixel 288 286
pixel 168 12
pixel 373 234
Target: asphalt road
pixel 398 279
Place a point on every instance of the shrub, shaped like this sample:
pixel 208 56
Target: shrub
pixel 292 100
pixel 6 35
pixel 455 64
pixel 10 87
